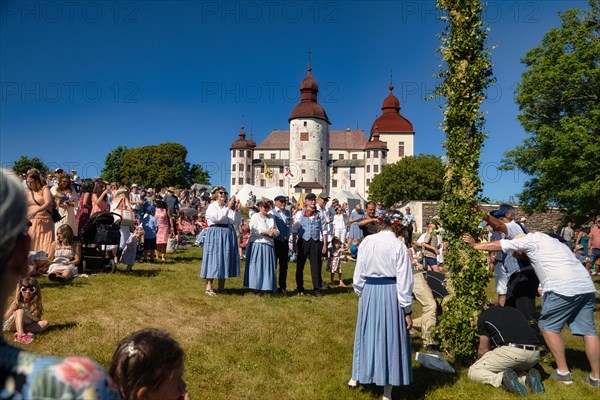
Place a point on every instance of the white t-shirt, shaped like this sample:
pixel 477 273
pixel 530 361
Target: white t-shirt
pixel 511 265
pixel 555 265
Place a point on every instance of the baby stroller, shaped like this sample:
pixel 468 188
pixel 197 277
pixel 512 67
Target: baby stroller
pixel 101 230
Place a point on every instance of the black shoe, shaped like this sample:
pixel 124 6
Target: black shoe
pixel 511 383
pixel 534 381
pixel 52 277
pixel 318 293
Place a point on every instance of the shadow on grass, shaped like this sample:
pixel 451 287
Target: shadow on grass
pixel 577 359
pixel 143 272
pixel 61 327
pixel 424 381
pixel 79 282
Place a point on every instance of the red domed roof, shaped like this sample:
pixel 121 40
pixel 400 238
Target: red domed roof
pixel 242 143
pixel 375 143
pixel 308 106
pixel 391 121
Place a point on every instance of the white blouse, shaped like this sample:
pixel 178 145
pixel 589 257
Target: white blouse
pixel 259 224
pixel 384 255
pixel 216 214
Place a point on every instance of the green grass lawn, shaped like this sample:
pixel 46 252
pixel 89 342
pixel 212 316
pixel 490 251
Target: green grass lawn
pixel 244 346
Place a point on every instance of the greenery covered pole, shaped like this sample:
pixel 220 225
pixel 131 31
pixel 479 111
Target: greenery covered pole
pixel 466 74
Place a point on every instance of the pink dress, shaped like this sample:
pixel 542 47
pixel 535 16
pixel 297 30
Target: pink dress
pixel 162 217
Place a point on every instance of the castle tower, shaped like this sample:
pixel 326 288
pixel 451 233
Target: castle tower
pixel 375 157
pixel 309 140
pixel 242 153
pixel 394 129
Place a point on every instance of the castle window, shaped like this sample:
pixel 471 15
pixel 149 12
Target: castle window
pixel 233 181
pixel 241 180
pixel 281 169
pixel 240 153
pixel 401 149
pixel 352 183
pixel 262 182
pixel 368 182
pixel 375 152
pixel 352 170
pixel 355 156
pixel 233 168
pixel 304 157
pixel 281 182
pixel 261 155
pixel 303 171
pixel 330 156
pixel 341 156
pixel 334 182
pixel 304 136
pixel 383 154
pixel 304 123
pixel 368 168
pixel 248 179
pixel 376 168
pixel 368 154
pixel 241 167
pixel 335 170
pixel 262 168
pixel 273 155
pixel 248 153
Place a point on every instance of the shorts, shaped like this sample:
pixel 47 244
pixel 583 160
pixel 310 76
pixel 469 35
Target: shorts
pixel 150 244
pixel 576 311
pixel 428 261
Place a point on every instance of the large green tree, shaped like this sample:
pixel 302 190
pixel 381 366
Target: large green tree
pixel 159 166
pixel 412 178
pixel 112 165
pixel 466 73
pixel 24 164
pixel 559 100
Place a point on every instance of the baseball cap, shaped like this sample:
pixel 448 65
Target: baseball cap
pixel 151 209
pixel 579 247
pixel 497 213
pixel 58 171
pixel 311 196
pixel 324 196
pixel 279 198
pixel 523 219
pixel 134 185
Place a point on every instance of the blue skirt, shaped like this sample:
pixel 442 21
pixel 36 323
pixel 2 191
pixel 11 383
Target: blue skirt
pixel 382 352
pixel 221 258
pixel 355 232
pixel 260 267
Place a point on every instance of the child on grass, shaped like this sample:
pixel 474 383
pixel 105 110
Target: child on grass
pixel 148 364
pixel 24 316
pixel 334 262
pixel 130 250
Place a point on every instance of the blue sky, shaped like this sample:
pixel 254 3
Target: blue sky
pixel 82 77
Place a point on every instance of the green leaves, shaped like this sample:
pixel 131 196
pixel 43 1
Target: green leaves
pixel 24 164
pixel 411 178
pixel 156 166
pixel 559 100
pixel 466 75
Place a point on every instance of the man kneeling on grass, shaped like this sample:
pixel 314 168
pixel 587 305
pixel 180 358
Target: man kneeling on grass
pixel 568 297
pixel 517 348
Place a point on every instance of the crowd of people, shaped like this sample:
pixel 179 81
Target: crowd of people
pixel 391 269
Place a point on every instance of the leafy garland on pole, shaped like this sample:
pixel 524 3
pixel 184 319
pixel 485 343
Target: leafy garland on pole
pixel 466 75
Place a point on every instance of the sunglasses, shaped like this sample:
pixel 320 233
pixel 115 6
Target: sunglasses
pixel 30 289
pixel 222 192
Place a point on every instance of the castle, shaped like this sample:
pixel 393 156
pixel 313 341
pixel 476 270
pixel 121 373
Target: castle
pixel 309 157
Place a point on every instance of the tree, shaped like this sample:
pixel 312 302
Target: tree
pixel 112 165
pixel 24 164
pixel 197 174
pixel 159 166
pixel 412 178
pixel 559 100
pixel 466 75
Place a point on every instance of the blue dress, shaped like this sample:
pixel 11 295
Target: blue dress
pixel 355 232
pixel 220 258
pixel 260 256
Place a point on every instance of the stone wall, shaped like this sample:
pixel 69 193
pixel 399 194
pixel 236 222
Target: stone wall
pixel 426 210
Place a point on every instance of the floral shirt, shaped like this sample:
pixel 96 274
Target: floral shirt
pixel 25 375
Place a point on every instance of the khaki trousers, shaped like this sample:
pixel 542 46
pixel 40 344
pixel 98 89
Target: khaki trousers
pixel 424 295
pixel 490 367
